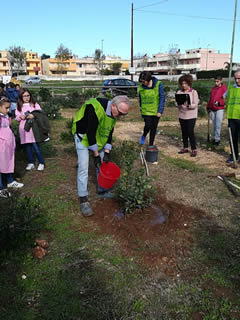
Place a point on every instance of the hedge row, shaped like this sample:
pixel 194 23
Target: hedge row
pixel 212 74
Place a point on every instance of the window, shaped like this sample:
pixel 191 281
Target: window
pixel 4 64
pixel 28 64
pixel 0 55
pixel 36 64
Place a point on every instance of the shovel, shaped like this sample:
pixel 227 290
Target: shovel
pixel 233 153
pixel 208 136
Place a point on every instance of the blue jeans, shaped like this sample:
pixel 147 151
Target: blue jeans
pixel 83 163
pixel 217 117
pixel 9 179
pixel 29 149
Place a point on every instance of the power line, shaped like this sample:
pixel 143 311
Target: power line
pixel 152 4
pixel 186 16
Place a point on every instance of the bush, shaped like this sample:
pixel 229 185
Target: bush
pixel 51 108
pixel 66 136
pixel 212 74
pixel 90 93
pixel 20 220
pixel 134 190
pixel 48 150
pixel 202 112
pixel 74 99
pixel 44 94
pixel 203 92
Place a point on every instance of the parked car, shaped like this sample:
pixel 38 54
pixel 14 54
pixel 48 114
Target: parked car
pixel 120 86
pixel 33 80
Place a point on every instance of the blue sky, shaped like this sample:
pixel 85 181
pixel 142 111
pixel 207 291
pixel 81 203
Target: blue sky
pixel 82 25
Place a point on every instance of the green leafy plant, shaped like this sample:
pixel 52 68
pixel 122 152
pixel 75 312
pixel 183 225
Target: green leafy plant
pixel 45 94
pixel 202 112
pixel 20 220
pixel 51 108
pixel 66 136
pixel 134 190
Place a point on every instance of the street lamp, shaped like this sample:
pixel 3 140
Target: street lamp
pixel 207 57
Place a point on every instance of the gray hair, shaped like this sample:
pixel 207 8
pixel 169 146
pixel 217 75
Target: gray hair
pixel 120 99
pixel 237 71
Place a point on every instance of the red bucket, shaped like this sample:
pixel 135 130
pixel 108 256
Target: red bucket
pixel 108 174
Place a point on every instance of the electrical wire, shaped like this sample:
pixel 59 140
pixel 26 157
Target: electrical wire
pixel 151 4
pixel 186 16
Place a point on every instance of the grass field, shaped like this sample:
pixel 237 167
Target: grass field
pixel 87 274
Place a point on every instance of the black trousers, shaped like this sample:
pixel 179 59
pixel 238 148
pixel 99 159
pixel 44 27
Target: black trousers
pixel 187 127
pixel 151 123
pixel 234 124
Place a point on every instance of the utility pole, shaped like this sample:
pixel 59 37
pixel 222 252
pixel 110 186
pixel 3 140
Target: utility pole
pixel 132 42
pixel 233 35
pixel 102 58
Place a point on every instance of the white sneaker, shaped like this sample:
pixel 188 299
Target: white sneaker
pixel 15 185
pixel 40 167
pixel 4 193
pixel 30 166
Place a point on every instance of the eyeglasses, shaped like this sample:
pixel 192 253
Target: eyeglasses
pixel 26 96
pixel 120 113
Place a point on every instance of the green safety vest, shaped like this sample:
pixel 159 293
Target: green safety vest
pixel 105 125
pixel 149 100
pixel 233 103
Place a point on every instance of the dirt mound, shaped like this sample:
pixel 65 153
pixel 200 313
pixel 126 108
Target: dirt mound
pixel 156 236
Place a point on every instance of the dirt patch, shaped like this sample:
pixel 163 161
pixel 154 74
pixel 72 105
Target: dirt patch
pixel 157 236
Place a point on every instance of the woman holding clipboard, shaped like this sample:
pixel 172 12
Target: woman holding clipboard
pixel 187 101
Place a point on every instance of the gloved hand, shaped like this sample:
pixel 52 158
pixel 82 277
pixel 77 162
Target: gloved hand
pixel 106 157
pixel 97 161
pixel 208 110
pixel 217 103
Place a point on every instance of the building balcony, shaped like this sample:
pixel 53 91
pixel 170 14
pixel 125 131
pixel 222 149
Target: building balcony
pixel 188 66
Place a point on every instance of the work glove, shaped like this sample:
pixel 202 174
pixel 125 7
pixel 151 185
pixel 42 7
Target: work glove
pixel 97 161
pixel 106 157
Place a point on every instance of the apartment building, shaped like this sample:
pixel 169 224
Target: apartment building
pixel 192 60
pixel 33 63
pixel 4 63
pixel 80 66
pixel 54 66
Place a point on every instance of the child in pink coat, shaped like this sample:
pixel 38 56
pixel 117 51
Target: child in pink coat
pixel 7 150
pixel 25 106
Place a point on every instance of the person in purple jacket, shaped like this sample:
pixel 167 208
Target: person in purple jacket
pixel 7 149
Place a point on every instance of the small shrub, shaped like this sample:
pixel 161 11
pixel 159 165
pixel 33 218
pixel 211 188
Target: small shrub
pixel 44 94
pixel 48 150
pixel 108 95
pixel 202 112
pixel 73 100
pixel 20 220
pixel 134 190
pixel 51 108
pixel 171 103
pixel 90 93
pixel 67 136
pixel 167 89
pixel 203 93
pixel 132 93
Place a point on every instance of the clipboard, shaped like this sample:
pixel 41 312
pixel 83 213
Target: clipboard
pixel 181 98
